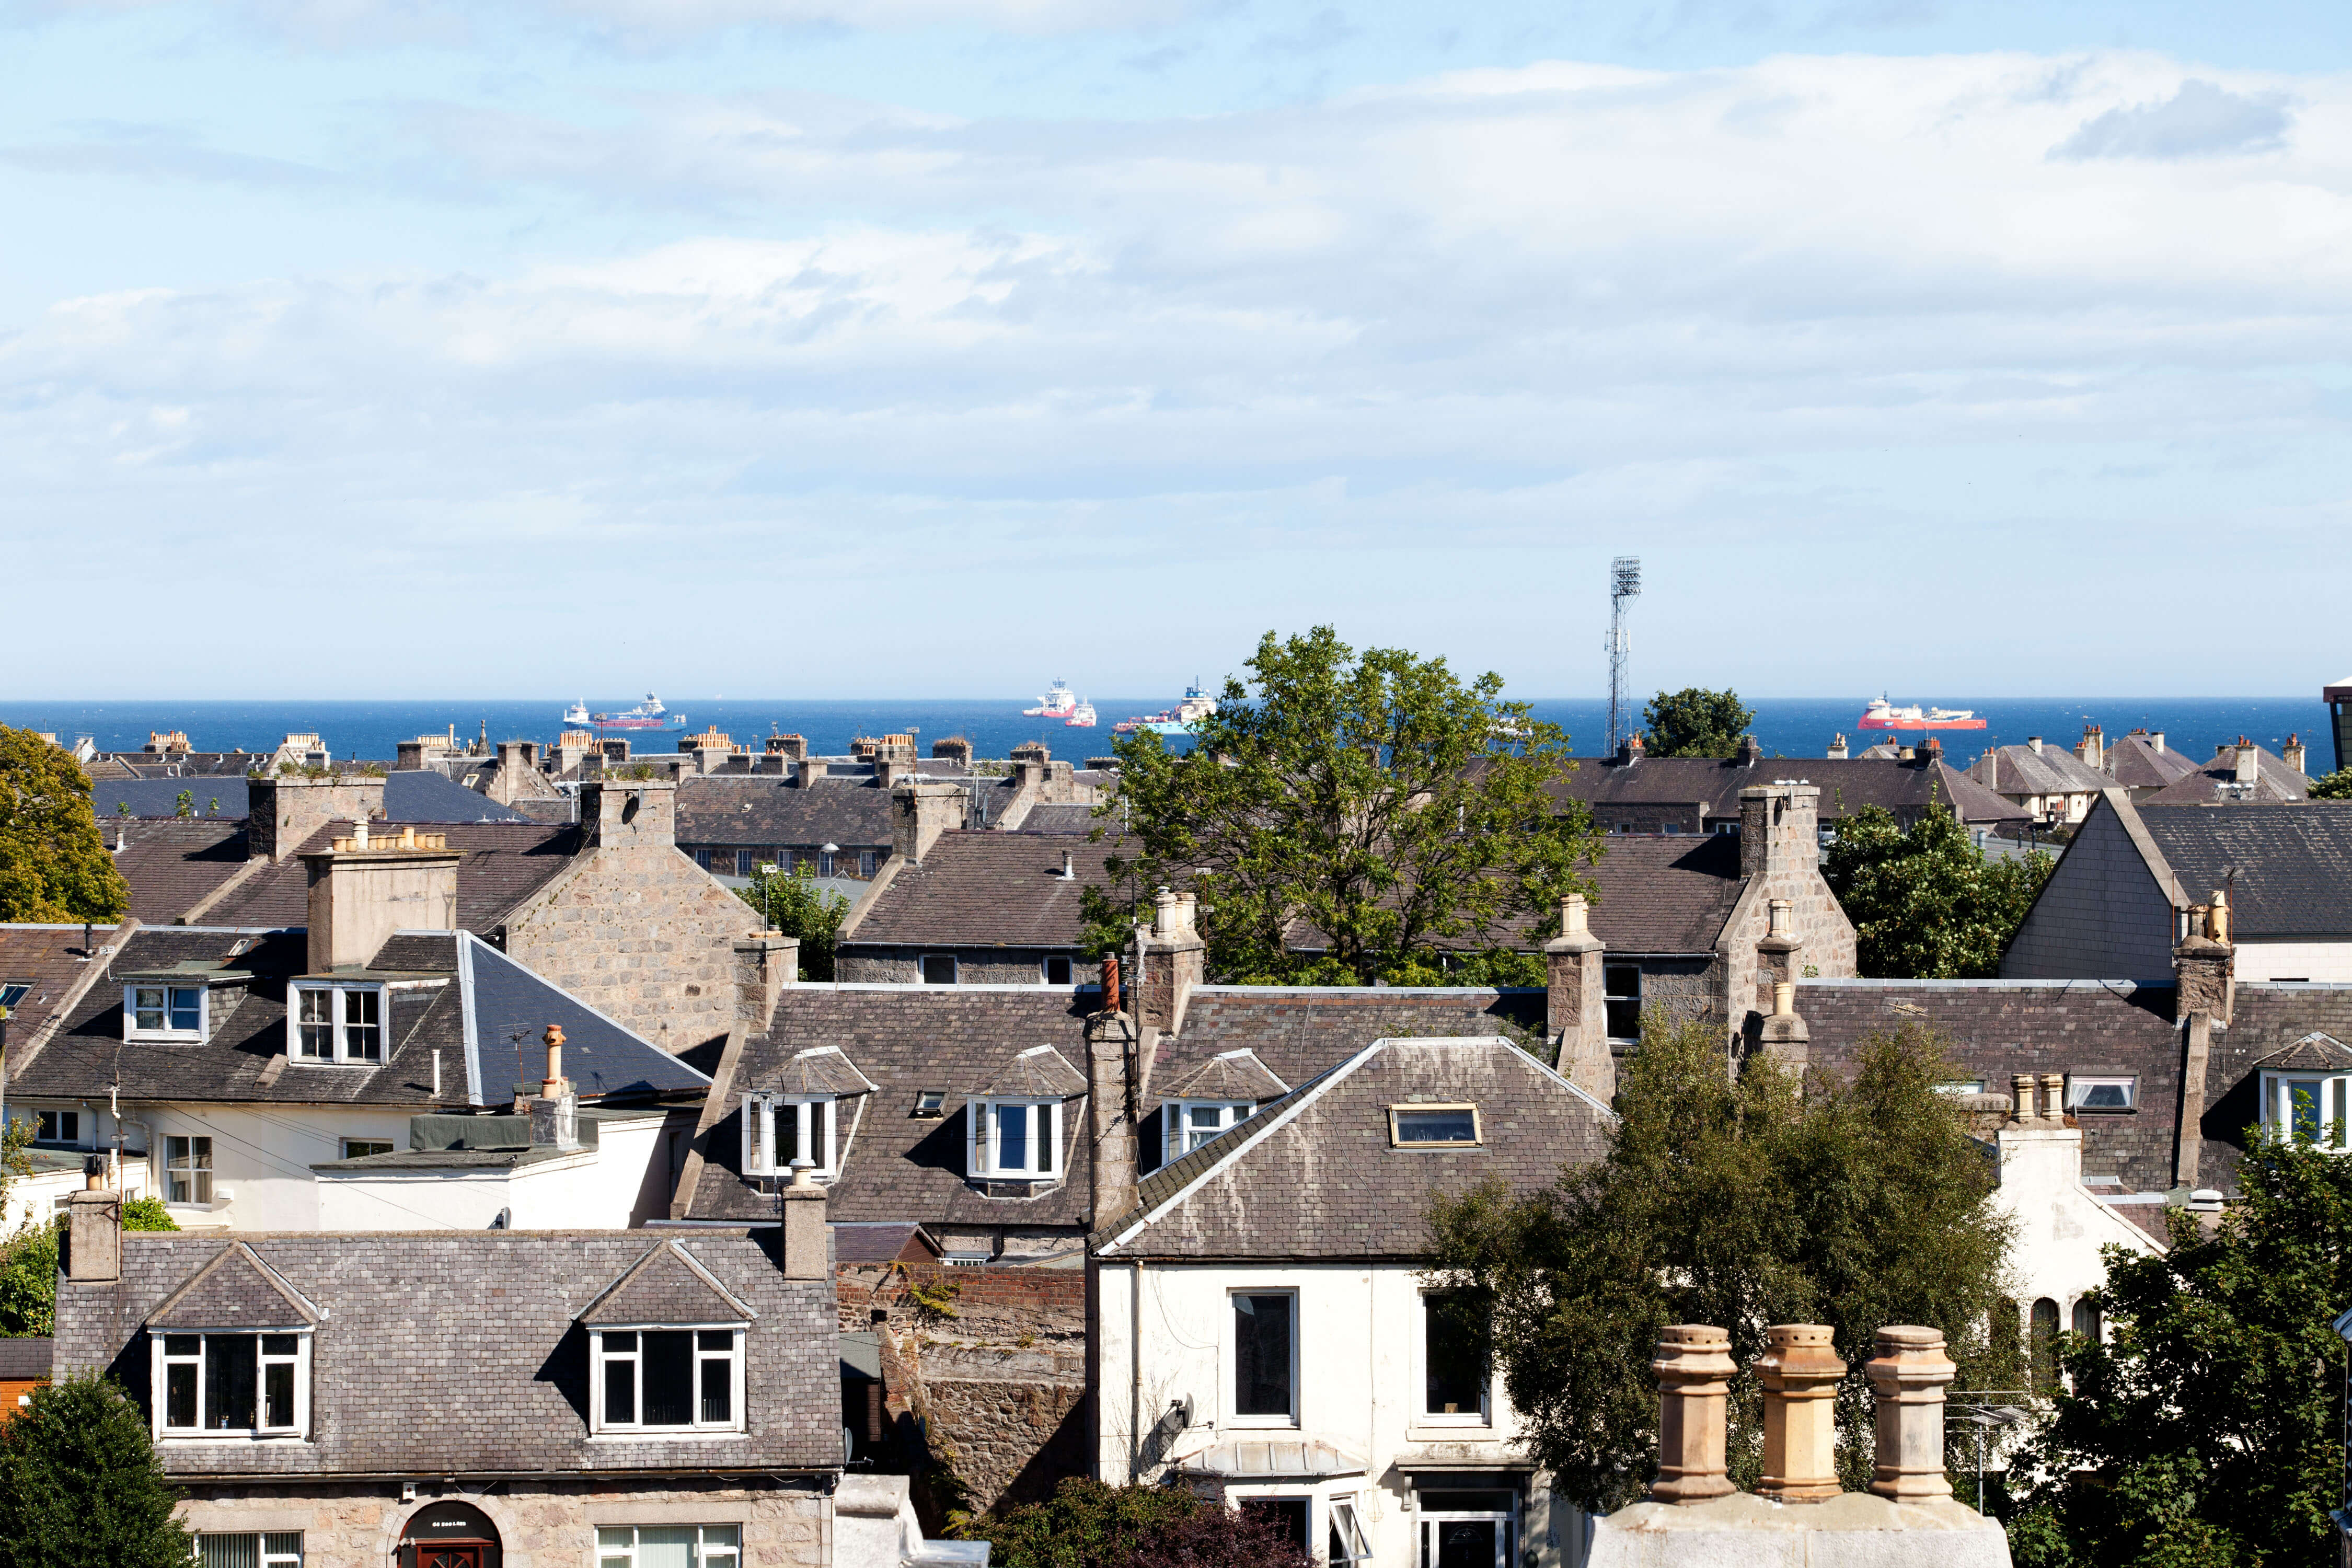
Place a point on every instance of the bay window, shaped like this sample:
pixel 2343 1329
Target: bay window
pixel 779 1129
pixel 675 1380
pixel 2309 1108
pixel 1015 1139
pixel 232 1384
pixel 337 1023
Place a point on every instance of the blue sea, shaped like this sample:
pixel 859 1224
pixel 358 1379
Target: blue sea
pixel 1792 727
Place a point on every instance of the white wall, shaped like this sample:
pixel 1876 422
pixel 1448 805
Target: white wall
pixel 1360 1338
pixel 263 1156
pixel 2294 960
pixel 620 1183
pixel 414 1200
pixel 2061 1226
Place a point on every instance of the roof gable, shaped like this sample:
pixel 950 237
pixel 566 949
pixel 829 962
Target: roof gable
pixel 1229 1075
pixel 821 1069
pixel 665 1286
pixel 235 1290
pixel 2315 1052
pixel 1040 1071
pixel 507 1002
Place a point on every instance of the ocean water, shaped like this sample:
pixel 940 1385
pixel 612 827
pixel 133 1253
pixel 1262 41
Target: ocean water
pixel 1792 726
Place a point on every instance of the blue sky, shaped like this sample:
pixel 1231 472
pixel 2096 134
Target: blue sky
pixel 857 347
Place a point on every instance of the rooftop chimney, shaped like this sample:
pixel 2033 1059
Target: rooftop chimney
pixel 364 888
pixel 2246 763
pixel 1171 962
pixel 921 810
pixel 1837 752
pixel 1779 829
pixel 1932 748
pixel 789 746
pixel 1693 1368
pixel 1750 751
pixel 2033 743
pixel 808 1249
pixel 94 1229
pixel 628 814
pixel 2155 738
pixel 2294 754
pixel 1069 866
pixel 2094 748
pixel 1630 751
pixel 1576 1011
pixel 283 811
pixel 1909 1376
pixel 555 1114
pixel 953 749
pixel 1112 1050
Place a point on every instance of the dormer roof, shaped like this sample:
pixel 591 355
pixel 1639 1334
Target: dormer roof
pixel 665 1286
pixel 1228 1075
pixel 2315 1052
pixel 820 1069
pixel 1038 1073
pixel 235 1290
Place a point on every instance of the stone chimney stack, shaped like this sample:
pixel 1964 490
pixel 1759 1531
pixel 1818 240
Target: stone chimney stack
pixel 2293 754
pixel 1784 1034
pixel 921 811
pixel 1629 750
pixel 808 1239
pixel 1909 1376
pixel 1693 1368
pixel 571 748
pixel 284 811
pixel 1779 828
pixel 806 771
pixel 2204 976
pixel 765 962
pixel 1837 752
pixel 790 747
pixel 1932 749
pixel 94 1229
pixel 953 749
pixel 1576 1015
pixel 364 888
pixel 2246 763
pixel 2093 749
pixel 555 1114
pixel 1172 961
pixel 2155 738
pixel 1750 753
pixel 629 813
pixel 1113 1045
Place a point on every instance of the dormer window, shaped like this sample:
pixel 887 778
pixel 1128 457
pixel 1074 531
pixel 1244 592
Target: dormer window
pixel 667 1380
pixel 1192 1122
pixel 2309 1108
pixel 1015 1139
pixel 163 1012
pixel 242 1385
pixel 336 1024
pixel 779 1129
pixel 1433 1126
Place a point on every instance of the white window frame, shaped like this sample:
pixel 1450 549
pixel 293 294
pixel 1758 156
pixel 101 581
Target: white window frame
pixel 265 1554
pixel 742 862
pixel 600 1365
pixel 818 1117
pixel 2334 1105
pixel 1397 1113
pixel 371 1145
pixel 2078 1089
pixel 1482 1418
pixel 866 864
pixel 923 970
pixel 1607 996
pixel 161 1362
pixel 1427 1520
pixel 339 1026
pixel 617 1554
pixel 134 1030
pixel 1346 1530
pixel 1178 1127
pixel 200 1176
pixel 1232 1359
pixel 983 1148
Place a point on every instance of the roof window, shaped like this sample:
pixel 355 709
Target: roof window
pixel 1433 1126
pixel 930 1104
pixel 156 1010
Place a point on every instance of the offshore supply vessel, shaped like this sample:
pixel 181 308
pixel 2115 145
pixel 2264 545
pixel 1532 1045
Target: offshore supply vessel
pixel 1884 715
pixel 647 715
pixel 1181 719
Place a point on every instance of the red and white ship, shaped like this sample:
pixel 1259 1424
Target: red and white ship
pixel 1059 703
pixel 1884 715
pixel 647 715
pixel 1082 717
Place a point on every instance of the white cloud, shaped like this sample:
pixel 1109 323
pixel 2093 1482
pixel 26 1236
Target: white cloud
pixel 2200 120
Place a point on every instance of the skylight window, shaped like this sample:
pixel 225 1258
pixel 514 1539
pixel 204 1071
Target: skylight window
pixel 1433 1126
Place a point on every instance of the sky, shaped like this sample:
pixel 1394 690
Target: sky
pixel 850 348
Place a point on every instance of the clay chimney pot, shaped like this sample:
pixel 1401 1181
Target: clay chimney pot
pixel 1692 1366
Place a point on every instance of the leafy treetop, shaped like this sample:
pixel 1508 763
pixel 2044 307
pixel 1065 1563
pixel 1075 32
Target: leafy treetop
pixel 1926 904
pixel 796 906
pixel 54 867
pixel 1695 723
pixel 1090 1524
pixel 80 1484
pixel 1853 1202
pixel 1379 799
pixel 2336 786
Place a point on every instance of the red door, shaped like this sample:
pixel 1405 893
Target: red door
pixel 455 1555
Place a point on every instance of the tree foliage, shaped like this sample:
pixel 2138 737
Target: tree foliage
pixel 2336 786
pixel 1695 723
pixel 1380 798
pixel 1088 1523
pixel 1926 904
pixel 2208 1430
pixel 80 1484
pixel 53 865
pixel 29 1269
pixel 1852 1202
pixel 796 906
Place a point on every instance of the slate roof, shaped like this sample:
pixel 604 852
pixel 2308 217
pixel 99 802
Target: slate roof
pixel 667 1285
pixel 1058 816
pixel 235 1290
pixel 885 1241
pixel 245 1059
pixel 976 889
pixel 905 1038
pixel 2268 1020
pixel 1847 784
pixel 1997 1028
pixel 47 961
pixel 764 809
pixel 441 1353
pixel 1315 1176
pixel 170 865
pixel 2293 859
pixel 2315 1052
pixel 1040 1072
pixel 505 863
pixel 2135 763
pixel 2014 771
pixel 409 795
pixel 2211 785
pixel 23 1359
pixel 1228 1075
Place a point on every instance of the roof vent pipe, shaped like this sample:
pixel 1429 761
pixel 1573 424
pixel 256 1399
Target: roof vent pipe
pixel 1069 867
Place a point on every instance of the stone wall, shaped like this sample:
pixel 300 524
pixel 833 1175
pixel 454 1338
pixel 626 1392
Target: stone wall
pixel 974 966
pixel 542 1523
pixel 991 1371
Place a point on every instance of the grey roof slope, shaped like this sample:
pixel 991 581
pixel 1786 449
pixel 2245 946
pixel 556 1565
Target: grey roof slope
pixel 763 809
pixel 1846 783
pixel 904 1038
pixel 1315 1176
pixel 2021 770
pixel 442 1353
pixel 667 1285
pixel 409 795
pixel 2268 1019
pixel 1228 1075
pixel 985 889
pixel 245 1061
pixel 1995 1029
pixel 172 865
pixel 233 1291
pixel 47 961
pixel 1058 816
pixel 505 863
pixel 2134 762
pixel 2209 785
pixel 24 1359
pixel 2292 861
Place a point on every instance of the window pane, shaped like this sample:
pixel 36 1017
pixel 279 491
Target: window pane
pixel 228 1551
pixel 788 1135
pixel 2086 1320
pixel 1011 1137
pixel 2303 1110
pixel 718 1386
pixel 187 1007
pixel 621 1539
pixel 316 1022
pixel 282 1549
pixel 228 1382
pixel 180 1393
pixel 1290 1514
pixel 2044 1345
pixel 1467 1543
pixel 1262 1356
pixel 1206 1115
pixel 279 1344
pixel 278 1394
pixel 2105 1097
pixel 1457 1331
pixel 147 1006
pixel 362 1025
pixel 2336 1129
pixel 1450 1126
pixel 620 1381
pixel 1046 1138
pixel 668 1378
pixel 666 1546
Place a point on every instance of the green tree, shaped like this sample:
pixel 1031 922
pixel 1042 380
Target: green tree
pixel 29 1269
pixel 1695 723
pixel 53 865
pixel 1926 904
pixel 1852 1202
pixel 796 906
pixel 2210 1429
pixel 1088 1523
pixel 2336 786
pixel 1382 799
pixel 80 1484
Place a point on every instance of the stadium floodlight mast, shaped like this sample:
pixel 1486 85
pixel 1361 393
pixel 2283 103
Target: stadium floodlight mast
pixel 1624 583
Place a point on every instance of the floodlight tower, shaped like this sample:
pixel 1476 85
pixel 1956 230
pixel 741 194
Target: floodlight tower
pixel 1624 583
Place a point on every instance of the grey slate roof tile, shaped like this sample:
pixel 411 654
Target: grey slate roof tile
pixel 767 811
pixel 234 1291
pixel 409 795
pixel 977 889
pixel 2288 864
pixel 1846 783
pixel 666 1285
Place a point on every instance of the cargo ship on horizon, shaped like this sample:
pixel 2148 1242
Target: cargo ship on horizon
pixel 647 715
pixel 1059 703
pixel 1181 719
pixel 1884 715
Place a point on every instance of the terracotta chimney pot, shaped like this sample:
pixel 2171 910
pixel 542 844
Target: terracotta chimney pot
pixel 1693 1367
pixel 1801 1375
pixel 1909 1376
